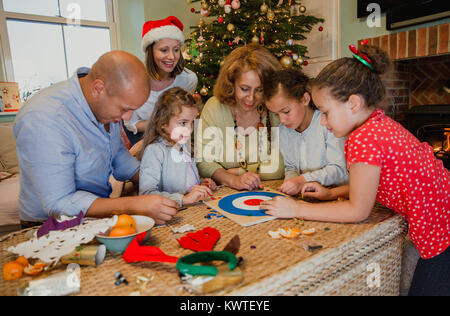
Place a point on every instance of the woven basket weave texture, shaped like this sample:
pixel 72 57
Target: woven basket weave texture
pixel 270 267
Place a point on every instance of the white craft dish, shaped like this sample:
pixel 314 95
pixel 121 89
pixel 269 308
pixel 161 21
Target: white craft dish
pixel 120 244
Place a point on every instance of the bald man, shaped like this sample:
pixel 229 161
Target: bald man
pixel 69 143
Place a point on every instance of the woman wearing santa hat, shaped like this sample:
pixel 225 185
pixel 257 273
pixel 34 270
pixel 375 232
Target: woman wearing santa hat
pixel 161 42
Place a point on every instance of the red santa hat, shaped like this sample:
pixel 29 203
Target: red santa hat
pixel 153 31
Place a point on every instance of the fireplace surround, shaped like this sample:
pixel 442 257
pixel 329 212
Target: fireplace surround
pixel 418 86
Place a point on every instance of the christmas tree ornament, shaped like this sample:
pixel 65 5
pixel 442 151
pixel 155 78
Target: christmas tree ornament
pixel 305 63
pixel 205 6
pixel 192 10
pixel 227 7
pixel 204 12
pixel 264 7
pixel 321 29
pixel 201 39
pixel 294 57
pixel 290 42
pixel 235 4
pixel 255 39
pixel 230 27
pixel 201 23
pixel 237 40
pixel 295 8
pixel 299 61
pixel 193 48
pixel 270 15
pixel 286 62
pixel 221 3
pixel 302 9
pixel 220 19
pixel 204 91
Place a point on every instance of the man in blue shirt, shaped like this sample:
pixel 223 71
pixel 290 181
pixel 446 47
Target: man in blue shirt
pixel 69 143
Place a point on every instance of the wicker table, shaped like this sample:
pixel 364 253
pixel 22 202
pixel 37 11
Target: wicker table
pixel 357 259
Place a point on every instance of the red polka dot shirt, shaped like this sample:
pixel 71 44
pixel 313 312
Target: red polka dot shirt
pixel 413 182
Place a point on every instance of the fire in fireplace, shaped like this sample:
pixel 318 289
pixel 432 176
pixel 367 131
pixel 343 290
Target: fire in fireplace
pixel 438 136
pixel 431 124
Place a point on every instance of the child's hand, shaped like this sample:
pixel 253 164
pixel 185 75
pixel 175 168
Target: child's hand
pixel 317 191
pixel 292 186
pixel 198 193
pixel 281 207
pixel 209 183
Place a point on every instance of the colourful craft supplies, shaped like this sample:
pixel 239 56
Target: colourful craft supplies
pixel 203 240
pixel 52 224
pixel 136 252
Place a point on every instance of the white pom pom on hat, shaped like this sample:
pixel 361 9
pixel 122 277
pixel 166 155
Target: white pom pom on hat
pixel 171 27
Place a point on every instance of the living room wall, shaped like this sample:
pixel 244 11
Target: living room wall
pixel 156 10
pixel 354 29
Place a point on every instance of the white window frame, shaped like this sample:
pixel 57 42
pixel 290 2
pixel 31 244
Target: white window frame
pixel 6 59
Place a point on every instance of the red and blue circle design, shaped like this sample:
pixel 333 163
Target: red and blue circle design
pixel 246 203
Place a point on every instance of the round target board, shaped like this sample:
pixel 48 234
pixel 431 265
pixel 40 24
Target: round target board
pixel 246 203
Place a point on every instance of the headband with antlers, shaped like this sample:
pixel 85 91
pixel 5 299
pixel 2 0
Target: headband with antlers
pixel 360 56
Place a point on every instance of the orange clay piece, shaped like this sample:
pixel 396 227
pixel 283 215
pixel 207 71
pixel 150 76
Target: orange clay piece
pixel 309 232
pixel 35 269
pixel 290 232
pixel 12 271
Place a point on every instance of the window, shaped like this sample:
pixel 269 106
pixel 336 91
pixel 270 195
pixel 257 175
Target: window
pixel 45 41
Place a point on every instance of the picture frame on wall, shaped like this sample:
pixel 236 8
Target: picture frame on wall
pixel 10 97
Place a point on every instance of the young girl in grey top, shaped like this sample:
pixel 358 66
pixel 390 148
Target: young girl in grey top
pixel 166 165
pixel 311 152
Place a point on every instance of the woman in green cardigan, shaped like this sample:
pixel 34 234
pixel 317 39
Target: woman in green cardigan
pixel 238 137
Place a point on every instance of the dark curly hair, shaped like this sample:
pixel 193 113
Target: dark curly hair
pixel 292 82
pixel 348 76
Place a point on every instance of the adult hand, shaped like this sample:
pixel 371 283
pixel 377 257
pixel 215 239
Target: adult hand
pixel 198 192
pixel 158 207
pixel 248 181
pixel 281 207
pixel 317 191
pixel 292 186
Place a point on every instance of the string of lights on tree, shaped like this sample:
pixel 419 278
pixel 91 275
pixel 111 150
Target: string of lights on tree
pixel 279 25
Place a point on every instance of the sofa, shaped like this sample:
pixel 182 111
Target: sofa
pixel 9 205
pixel 9 177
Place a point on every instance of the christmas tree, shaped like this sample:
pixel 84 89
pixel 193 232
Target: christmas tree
pixel 224 25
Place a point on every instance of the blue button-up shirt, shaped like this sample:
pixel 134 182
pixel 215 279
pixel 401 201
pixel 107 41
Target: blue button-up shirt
pixel 65 155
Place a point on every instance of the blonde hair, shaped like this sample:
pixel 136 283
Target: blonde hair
pixel 170 103
pixel 152 68
pixel 251 57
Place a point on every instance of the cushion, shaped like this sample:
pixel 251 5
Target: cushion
pixel 8 157
pixel 9 201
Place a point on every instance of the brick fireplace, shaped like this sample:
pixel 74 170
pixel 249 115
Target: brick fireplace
pixel 416 94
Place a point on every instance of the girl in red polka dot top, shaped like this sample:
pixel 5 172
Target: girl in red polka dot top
pixel 385 162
